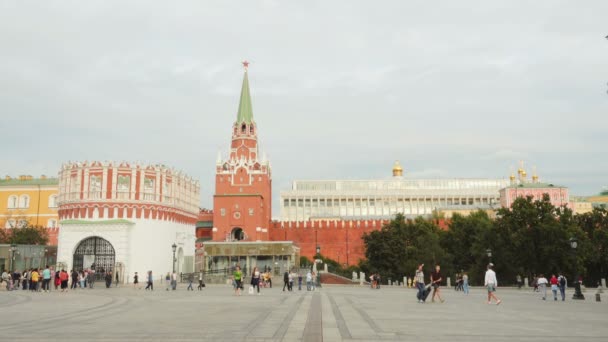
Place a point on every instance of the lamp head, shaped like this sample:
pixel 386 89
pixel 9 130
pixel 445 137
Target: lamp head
pixel 174 246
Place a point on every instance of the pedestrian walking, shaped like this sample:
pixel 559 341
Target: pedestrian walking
pixel 255 279
pixel 491 283
pixel 542 285
pixel 135 281
pixel 25 279
pixel 74 275
pixel 108 279
pixel 190 281
pixel 291 277
pixel 168 280
pixel 419 283
pixel 299 281
pixel 81 279
pixel 563 283
pixel 116 285
pixel 150 280
pixel 238 280
pixel 465 283
pixel 6 278
pixel 554 286
pixel 91 279
pixel 520 283
pixel 46 279
pixel 285 281
pixel 201 284
pixel 34 280
pixel 308 281
pixel 64 278
pixel 57 280
pixel 174 281
pixel 436 279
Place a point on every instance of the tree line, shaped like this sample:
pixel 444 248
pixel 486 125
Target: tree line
pixel 530 238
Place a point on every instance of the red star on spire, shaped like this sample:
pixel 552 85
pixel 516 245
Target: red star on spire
pixel 245 64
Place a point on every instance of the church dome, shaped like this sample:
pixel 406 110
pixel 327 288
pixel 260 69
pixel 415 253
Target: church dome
pixel 397 169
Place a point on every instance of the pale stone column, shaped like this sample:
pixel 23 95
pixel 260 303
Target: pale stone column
pixel 361 278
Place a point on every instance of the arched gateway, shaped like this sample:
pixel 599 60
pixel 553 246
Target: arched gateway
pixel 95 253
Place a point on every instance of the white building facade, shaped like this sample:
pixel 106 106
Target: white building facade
pixel 381 199
pixel 125 218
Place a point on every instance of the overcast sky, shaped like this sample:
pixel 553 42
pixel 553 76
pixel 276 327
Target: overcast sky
pixel 340 89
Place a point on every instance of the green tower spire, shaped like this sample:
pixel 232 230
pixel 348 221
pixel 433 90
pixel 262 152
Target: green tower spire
pixel 245 113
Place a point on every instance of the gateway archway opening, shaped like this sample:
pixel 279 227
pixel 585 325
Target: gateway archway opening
pixel 97 254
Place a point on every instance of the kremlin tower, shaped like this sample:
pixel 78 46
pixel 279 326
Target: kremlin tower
pixel 242 205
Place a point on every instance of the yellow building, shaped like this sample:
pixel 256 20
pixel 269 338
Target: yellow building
pixel 28 199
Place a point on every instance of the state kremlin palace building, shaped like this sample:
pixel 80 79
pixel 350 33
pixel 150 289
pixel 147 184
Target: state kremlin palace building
pixel 118 216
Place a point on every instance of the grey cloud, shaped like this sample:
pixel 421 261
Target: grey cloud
pixel 340 89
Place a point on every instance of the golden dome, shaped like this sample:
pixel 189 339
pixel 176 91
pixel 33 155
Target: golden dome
pixel 524 173
pixel 397 169
pixel 512 177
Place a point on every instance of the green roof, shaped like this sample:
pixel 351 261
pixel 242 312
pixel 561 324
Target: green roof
pixel 245 113
pixel 35 181
pixel 204 224
pixel 103 222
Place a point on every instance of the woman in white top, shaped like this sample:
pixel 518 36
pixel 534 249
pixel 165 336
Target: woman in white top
pixel 542 284
pixel 491 283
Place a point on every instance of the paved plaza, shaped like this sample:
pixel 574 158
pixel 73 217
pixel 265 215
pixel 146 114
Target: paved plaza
pixel 333 313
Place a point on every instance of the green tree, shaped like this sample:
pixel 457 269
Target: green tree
pixel 29 235
pixel 595 258
pixel 467 240
pixel 397 249
pixel 532 237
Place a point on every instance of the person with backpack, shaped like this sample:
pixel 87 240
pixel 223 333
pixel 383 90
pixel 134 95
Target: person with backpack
pixel 562 283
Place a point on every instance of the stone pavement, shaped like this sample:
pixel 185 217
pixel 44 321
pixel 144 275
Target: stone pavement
pixel 336 313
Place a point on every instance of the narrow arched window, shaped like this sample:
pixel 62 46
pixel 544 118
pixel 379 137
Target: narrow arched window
pixel 53 201
pixel 244 128
pixel 24 201
pixel 12 202
pixel 251 130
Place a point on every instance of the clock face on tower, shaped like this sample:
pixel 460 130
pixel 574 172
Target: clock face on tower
pixel 236 215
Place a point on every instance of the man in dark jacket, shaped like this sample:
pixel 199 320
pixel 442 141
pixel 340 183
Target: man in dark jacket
pixel 285 280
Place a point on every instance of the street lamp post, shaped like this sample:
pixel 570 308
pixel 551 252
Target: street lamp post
pixel 577 285
pixel 174 247
pixel 489 253
pixel 13 249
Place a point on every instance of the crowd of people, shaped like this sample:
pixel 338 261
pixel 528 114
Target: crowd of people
pixel 42 280
pixel 263 279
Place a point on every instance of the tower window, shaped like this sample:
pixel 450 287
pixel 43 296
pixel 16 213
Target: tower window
pixel 244 128
pixel 223 211
pixel 251 130
pixel 250 211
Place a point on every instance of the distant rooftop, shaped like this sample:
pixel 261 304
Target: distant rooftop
pixel 28 180
pixel 535 185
